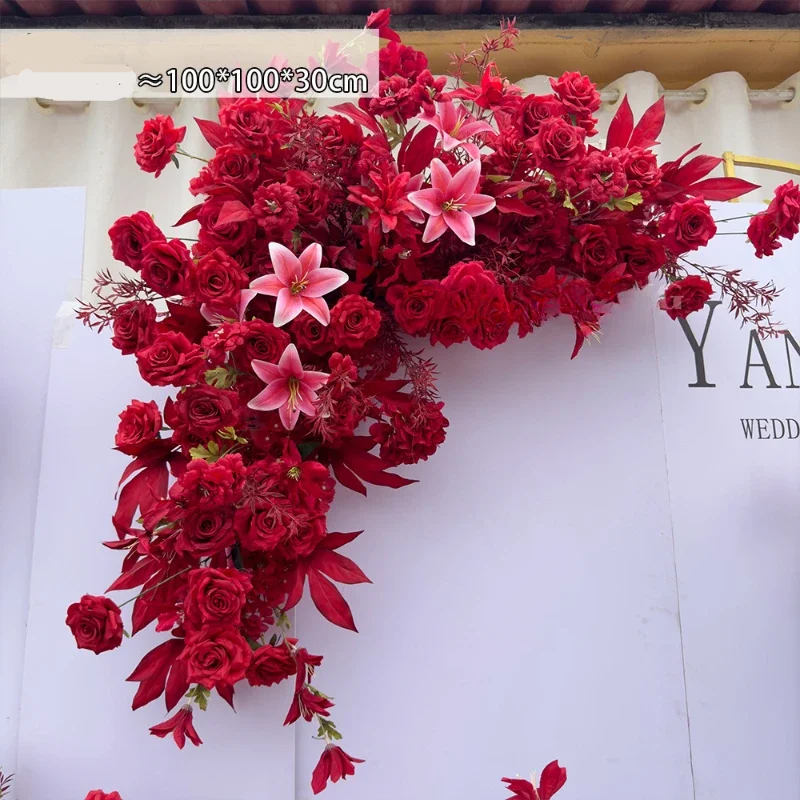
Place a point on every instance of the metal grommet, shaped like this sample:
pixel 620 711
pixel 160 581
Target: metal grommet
pixel 47 106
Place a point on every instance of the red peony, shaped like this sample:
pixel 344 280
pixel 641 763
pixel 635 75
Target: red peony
pixel 130 235
pixel 216 657
pixel 687 226
pixel 216 596
pixel 354 321
pixel 166 267
pixel 271 665
pixel 686 296
pixel 217 280
pixel 96 623
pixel 134 326
pixel 139 426
pixel 157 143
pixel 170 360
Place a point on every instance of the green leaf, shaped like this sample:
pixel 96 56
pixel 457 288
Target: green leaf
pixel 209 452
pixel 625 203
pixel 175 161
pixel 307 448
pixel 569 204
pixel 199 695
pixel 221 377
pixel 497 178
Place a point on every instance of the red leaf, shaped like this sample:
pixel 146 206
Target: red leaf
pixel 621 127
pixel 225 691
pixel 333 541
pixel 151 673
pixel 233 211
pixel 358 116
pixel 177 684
pixel 371 469
pixel 338 567
pixel 295 582
pixel 552 779
pixel 721 188
pixel 646 133
pixel 186 320
pixel 513 205
pixel 144 612
pixel 346 476
pixel 128 501
pixel 212 132
pixel 189 216
pixel 328 599
pixel 419 151
pixel 139 574
pixel 695 169
pixel 119 544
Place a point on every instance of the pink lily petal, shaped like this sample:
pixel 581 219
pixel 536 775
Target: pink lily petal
pixel 429 200
pixel 414 183
pixel 440 175
pixel 461 224
pixel 284 262
pixel 448 115
pixel 314 380
pixel 479 204
pixel 471 150
pixel 311 258
pixel 323 280
pixel 318 309
pixel 416 216
pixel 287 308
pixel 428 118
pixel 267 284
pixel 290 364
pixel 276 395
pixel 435 228
pixel 244 300
pixel 464 183
pixel 266 370
pixel 449 142
pixel 475 126
pixel 305 402
pixel 289 416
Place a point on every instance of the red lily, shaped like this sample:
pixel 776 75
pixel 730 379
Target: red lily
pixel 553 778
pixel 334 764
pixel 180 726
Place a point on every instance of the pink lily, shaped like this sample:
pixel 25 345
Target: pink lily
pixel 455 125
pixel 299 283
pixel 290 388
pixel 451 201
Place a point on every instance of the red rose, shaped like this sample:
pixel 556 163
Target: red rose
pixel 304 540
pixel 248 121
pixel 216 657
pixel 96 623
pixel 170 359
pixel 271 665
pixel 415 306
pixel 275 207
pixel 580 96
pixel 262 342
pixel 134 326
pixel 229 236
pixel 340 137
pixel 157 143
pixel 379 19
pixel 311 335
pixel 264 531
pixel 595 250
pixel 687 226
pixel 354 321
pixel 166 266
pixel 216 596
pixel 641 168
pixel 411 434
pixel 535 109
pixel 642 256
pixel 312 198
pixel 99 794
pixel 402 60
pixel 786 208
pixel 139 426
pixel 763 233
pixel 206 532
pixel 233 165
pixel 208 485
pixel 203 410
pixel 217 280
pixel 556 145
pixel 685 296
pixel 130 235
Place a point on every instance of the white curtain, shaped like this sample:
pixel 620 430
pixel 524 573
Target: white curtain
pixel 92 146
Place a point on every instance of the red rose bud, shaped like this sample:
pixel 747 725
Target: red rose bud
pixel 96 623
pixel 686 296
pixel 157 143
pixel 334 765
pixel 180 726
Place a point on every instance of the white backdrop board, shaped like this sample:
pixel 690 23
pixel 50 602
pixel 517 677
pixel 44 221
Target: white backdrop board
pixel 39 273
pixel 597 567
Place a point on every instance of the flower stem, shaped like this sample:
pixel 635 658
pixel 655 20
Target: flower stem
pixel 731 219
pixel 152 588
pixel 189 155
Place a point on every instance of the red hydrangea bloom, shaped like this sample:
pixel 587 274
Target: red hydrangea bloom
pixel 96 623
pixel 206 484
pixel 180 726
pixel 412 434
pixel 275 207
pixel 223 339
pixel 686 296
pixel 157 143
pixel 334 765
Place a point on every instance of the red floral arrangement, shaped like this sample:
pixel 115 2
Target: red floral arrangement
pixel 325 243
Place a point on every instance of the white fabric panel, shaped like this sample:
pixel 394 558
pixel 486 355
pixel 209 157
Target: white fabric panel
pixel 93 147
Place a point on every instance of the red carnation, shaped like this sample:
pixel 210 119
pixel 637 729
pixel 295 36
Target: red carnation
pixel 170 359
pixel 216 596
pixel 96 623
pixel 271 665
pixel 180 726
pixel 557 145
pixel 763 233
pixel 334 764
pixel 156 144
pixel 275 209
pixel 685 296
pixel 354 321
pixel 210 484
pixel 134 326
pixel 166 266
pixel 130 235
pixel 216 657
pixel 687 226
pixel 139 426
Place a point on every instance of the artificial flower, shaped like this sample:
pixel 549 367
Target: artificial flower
pixel 180 726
